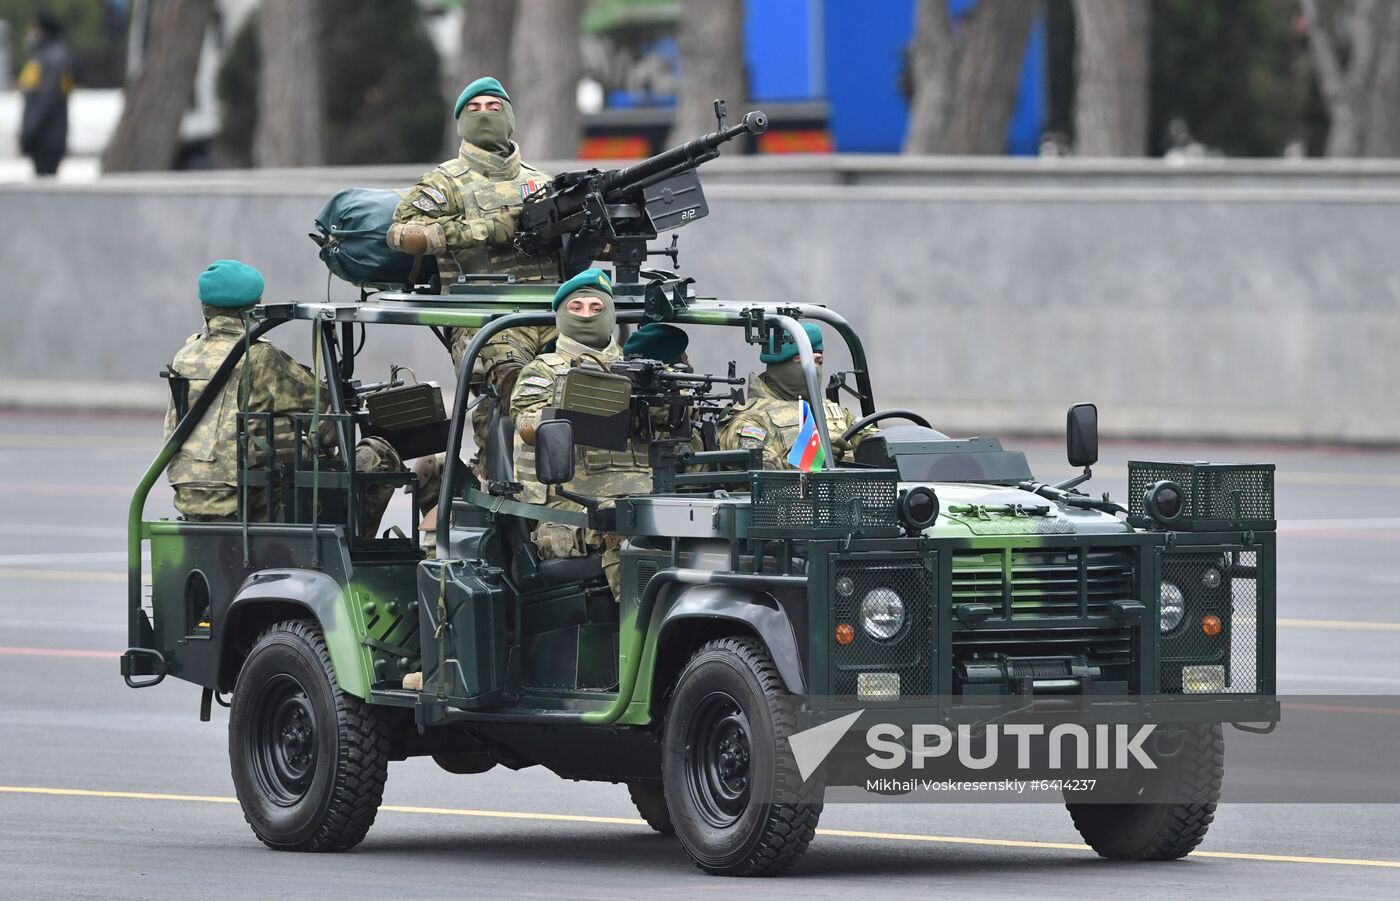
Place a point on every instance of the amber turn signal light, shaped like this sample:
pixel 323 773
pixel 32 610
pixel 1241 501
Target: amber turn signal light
pixel 1210 624
pixel 845 634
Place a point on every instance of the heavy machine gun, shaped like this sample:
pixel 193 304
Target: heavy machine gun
pixel 581 214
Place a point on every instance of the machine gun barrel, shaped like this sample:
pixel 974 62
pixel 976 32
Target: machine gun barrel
pixel 686 156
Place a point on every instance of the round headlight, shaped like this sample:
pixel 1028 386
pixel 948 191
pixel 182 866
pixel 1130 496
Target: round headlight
pixel 1173 606
pixel 918 508
pixel 845 586
pixel 1164 502
pixel 1212 577
pixel 882 614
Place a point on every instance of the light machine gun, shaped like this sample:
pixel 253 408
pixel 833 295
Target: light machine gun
pixel 579 215
pixel 646 402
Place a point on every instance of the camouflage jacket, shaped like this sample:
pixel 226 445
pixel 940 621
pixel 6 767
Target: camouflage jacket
pixel 767 421
pixel 204 471
pixel 597 472
pixel 474 200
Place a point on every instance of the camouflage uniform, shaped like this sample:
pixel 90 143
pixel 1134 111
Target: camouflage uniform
pixel 474 201
pixel 604 474
pixel 204 472
pixel 767 420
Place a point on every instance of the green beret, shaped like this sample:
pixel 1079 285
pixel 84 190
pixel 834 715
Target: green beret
pixel 789 348
pixel 657 341
pixel 484 85
pixel 229 283
pixel 595 279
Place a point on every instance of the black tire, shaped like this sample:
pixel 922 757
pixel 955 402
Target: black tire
pixel 309 761
pixel 738 803
pixel 650 801
pixel 1162 831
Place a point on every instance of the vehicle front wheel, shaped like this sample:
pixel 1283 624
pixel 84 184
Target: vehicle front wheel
pixel 738 802
pixel 1191 773
pixel 309 761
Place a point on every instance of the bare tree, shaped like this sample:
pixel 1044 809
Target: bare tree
pixel 710 42
pixel 545 54
pixel 486 33
pixel 1111 58
pixel 291 114
pixel 1355 48
pixel 965 75
pixel 148 134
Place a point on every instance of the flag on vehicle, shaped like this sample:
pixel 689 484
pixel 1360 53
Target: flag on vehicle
pixel 807 453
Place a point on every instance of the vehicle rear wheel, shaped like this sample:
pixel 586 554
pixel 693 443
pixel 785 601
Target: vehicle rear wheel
pixel 738 802
pixel 1162 831
pixel 650 801
pixel 309 761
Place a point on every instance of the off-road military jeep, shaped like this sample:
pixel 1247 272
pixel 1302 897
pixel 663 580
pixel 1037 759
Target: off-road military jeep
pixel 754 604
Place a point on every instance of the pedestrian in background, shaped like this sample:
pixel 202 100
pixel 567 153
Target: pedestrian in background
pixel 45 81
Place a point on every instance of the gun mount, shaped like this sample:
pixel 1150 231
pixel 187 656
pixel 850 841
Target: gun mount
pixel 582 214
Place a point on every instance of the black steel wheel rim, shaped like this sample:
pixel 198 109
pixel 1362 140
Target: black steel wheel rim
pixel 284 740
pixel 718 759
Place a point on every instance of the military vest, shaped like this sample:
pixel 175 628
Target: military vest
pixel 786 415
pixel 481 184
pixel 598 472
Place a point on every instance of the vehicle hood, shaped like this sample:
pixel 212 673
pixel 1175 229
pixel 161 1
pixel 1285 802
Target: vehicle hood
pixel 967 509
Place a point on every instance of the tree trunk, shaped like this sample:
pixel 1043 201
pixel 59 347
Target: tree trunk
pixel 147 136
pixel 710 44
pixel 291 114
pixel 966 76
pixel 1111 77
pixel 932 60
pixel 545 52
pixel 486 33
pixel 1355 50
pixel 1383 104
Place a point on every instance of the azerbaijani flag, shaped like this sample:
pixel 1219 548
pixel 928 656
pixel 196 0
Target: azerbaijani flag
pixel 807 453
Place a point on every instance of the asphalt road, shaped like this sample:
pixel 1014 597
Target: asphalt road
pixel 112 793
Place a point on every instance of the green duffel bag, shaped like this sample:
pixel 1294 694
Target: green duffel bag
pixel 352 230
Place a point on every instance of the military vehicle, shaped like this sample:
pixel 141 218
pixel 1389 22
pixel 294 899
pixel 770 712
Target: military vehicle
pixel 754 604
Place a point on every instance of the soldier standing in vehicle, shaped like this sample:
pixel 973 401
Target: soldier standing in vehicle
pixel 204 472
pixel 464 212
pixel 586 319
pixel 770 417
pixel 45 82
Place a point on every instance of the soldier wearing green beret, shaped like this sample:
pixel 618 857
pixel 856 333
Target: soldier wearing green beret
pixel 464 212
pixel 770 416
pixel 586 319
pixel 659 341
pixel 204 472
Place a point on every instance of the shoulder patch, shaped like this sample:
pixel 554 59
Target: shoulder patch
pixel 538 381
pixel 434 193
pixel 426 204
pixel 756 432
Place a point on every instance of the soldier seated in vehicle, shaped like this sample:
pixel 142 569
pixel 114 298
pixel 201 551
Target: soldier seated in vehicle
pixel 659 341
pixel 204 472
pixel 586 319
pixel 770 417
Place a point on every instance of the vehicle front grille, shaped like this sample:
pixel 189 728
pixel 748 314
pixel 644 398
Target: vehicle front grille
pixel 1044 582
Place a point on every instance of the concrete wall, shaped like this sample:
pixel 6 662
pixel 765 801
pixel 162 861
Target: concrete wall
pixel 1226 300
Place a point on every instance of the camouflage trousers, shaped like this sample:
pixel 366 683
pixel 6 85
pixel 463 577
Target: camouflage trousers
pixel 375 455
pixel 557 540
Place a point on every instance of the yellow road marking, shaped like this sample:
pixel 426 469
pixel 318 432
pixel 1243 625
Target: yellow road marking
pixel 629 821
pixel 1349 624
pixel 60 575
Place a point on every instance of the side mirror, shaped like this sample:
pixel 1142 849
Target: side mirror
pixel 554 452
pixel 1082 435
